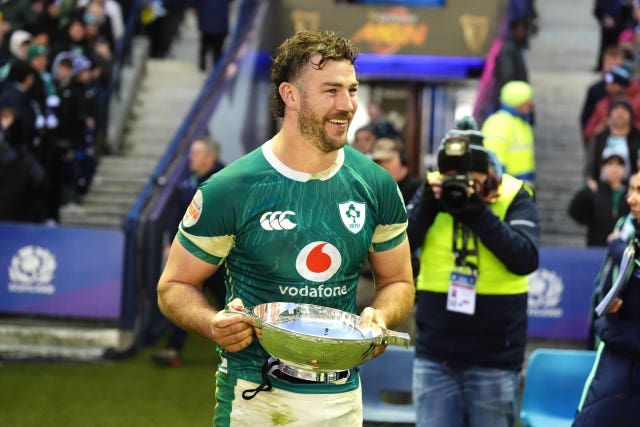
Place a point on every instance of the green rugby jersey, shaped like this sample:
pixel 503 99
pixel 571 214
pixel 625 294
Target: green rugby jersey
pixel 288 236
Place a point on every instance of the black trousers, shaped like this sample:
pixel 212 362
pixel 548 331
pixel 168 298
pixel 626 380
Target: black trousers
pixel 210 43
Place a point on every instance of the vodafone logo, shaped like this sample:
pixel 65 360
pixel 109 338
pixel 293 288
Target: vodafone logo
pixel 277 220
pixel 318 261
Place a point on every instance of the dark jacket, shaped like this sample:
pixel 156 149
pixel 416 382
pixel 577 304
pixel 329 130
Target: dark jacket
pixel 595 93
pixel 509 66
pixel 613 396
pixel 213 16
pixel 598 212
pixel 12 96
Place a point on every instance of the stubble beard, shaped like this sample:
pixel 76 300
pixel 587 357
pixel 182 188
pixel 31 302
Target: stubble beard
pixel 312 129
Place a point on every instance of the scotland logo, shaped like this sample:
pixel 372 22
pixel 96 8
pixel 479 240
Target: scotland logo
pixel 32 270
pixel 545 294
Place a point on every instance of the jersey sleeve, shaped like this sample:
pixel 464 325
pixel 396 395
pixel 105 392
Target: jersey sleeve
pixel 392 221
pixel 206 230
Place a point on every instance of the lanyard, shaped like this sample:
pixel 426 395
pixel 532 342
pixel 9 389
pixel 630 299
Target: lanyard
pixel 463 251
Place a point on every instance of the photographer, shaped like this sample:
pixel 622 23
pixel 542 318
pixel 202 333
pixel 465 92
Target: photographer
pixel 478 233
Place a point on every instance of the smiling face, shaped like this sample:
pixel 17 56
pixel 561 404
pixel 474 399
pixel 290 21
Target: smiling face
pixel 327 101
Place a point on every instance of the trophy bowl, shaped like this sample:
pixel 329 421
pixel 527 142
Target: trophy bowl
pixel 316 338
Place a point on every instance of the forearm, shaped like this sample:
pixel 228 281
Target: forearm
pixel 515 240
pixel 186 306
pixel 394 302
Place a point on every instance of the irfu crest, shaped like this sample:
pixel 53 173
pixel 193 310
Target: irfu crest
pixel 353 215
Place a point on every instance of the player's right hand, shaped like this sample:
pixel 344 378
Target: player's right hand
pixel 231 331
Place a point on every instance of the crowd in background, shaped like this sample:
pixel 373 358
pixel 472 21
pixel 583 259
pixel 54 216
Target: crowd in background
pixel 609 122
pixel 56 61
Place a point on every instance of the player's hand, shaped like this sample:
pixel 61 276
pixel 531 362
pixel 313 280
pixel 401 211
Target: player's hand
pixel 233 332
pixel 370 318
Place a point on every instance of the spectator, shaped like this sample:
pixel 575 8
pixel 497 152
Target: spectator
pixel 23 179
pixel 47 20
pixel 17 14
pixel 19 44
pixel 203 162
pixel 626 43
pixel 611 396
pixel 73 39
pixel 213 24
pixel 392 156
pixel 619 84
pixel 524 10
pixel 322 204
pixel 97 25
pixel 113 10
pixel 383 128
pixel 14 94
pixel 364 139
pixel 613 16
pixel 612 56
pixel 508 132
pixel 600 210
pixel 45 99
pixel 83 127
pixel 68 133
pixel 510 63
pixel 619 135
pixel 471 308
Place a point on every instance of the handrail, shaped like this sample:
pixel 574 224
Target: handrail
pixel 155 190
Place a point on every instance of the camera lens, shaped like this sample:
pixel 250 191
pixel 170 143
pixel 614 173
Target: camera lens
pixel 455 192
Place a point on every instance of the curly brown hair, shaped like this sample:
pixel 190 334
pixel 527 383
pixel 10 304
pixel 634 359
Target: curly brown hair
pixel 296 51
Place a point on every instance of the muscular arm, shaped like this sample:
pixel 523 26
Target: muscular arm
pixel 394 290
pixel 180 298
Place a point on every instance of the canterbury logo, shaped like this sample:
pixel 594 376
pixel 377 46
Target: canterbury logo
pixel 277 220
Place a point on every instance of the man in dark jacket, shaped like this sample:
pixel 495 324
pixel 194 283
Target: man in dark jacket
pixel 203 162
pixel 213 23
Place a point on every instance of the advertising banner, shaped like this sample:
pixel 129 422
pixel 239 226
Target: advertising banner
pixel 61 271
pixel 459 28
pixel 560 292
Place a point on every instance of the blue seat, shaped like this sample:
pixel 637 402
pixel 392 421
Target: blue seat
pixel 386 387
pixel 553 386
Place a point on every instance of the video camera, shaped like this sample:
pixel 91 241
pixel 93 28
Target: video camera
pixel 456 154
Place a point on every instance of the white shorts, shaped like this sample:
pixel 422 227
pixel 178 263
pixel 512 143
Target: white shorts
pixel 284 408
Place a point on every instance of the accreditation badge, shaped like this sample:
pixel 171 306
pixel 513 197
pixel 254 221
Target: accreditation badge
pixel 462 292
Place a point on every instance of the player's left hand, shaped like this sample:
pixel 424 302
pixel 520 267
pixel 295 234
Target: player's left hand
pixel 371 318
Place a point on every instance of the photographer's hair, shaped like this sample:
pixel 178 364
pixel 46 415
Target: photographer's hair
pixel 296 52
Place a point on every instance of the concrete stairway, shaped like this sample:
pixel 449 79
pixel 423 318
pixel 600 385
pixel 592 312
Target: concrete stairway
pixel 560 59
pixel 160 93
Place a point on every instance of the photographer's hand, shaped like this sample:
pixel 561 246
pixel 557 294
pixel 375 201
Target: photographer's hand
pixel 430 203
pixel 469 211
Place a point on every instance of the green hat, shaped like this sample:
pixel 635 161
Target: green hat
pixel 36 50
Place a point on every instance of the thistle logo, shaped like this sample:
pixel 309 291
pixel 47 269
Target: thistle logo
pixel 545 294
pixel 353 215
pixel 318 261
pixel 277 220
pixel 31 271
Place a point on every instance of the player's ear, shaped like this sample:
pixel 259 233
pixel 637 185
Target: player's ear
pixel 289 94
